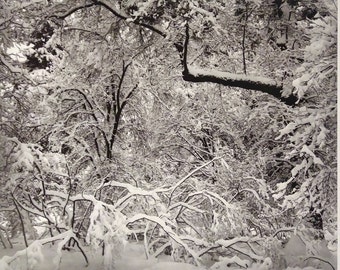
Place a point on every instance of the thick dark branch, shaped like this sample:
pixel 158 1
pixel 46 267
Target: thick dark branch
pixel 260 84
pixel 118 115
pixel 125 67
pixel 234 80
pixel 118 109
pixel 185 51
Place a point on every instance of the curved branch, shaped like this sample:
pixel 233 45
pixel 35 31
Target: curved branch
pixel 72 10
pixel 168 230
pixel 85 98
pixel 23 252
pixel 320 259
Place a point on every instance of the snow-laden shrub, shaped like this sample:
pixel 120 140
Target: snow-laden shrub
pixel 317 72
pixel 4 265
pixel 34 255
pixel 310 134
pixel 107 229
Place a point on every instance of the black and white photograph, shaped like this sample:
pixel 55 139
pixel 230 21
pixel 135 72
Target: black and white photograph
pixel 168 135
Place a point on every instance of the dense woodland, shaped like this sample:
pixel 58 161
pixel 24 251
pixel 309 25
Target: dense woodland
pixel 206 130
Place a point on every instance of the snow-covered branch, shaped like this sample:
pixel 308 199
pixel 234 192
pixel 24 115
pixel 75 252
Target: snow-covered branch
pixel 66 235
pixel 186 205
pixel 230 242
pixel 168 230
pixel 262 84
pixel 132 189
pixel 214 197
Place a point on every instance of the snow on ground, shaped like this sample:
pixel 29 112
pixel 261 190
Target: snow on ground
pixel 132 258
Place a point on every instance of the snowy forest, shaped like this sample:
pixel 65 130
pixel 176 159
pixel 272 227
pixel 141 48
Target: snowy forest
pixel 168 134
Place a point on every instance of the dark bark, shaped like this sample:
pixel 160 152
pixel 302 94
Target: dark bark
pixel 21 220
pixel 271 89
pixel 118 107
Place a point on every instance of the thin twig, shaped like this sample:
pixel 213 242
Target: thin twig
pixel 81 250
pixel 21 220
